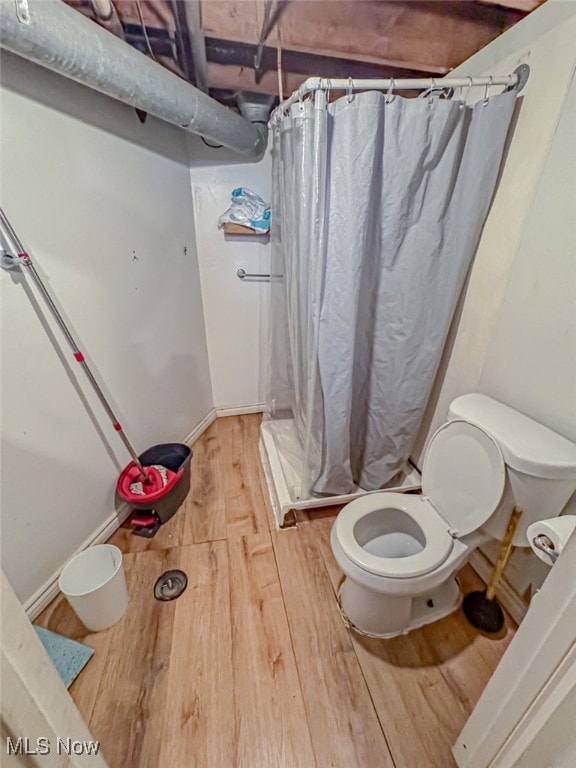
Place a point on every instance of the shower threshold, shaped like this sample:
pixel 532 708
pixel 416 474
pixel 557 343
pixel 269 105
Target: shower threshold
pixel 283 480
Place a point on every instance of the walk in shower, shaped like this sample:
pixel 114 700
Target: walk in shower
pixel 378 206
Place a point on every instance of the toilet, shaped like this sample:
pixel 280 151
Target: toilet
pixel 399 552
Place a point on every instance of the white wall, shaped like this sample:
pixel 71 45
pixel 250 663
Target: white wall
pixel 544 40
pixel 514 335
pixel 531 361
pixel 104 204
pixel 234 310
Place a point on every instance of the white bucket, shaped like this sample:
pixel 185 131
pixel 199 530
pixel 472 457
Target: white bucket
pixel 93 583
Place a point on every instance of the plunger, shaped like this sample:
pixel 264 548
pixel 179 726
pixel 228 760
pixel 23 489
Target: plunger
pixel 481 608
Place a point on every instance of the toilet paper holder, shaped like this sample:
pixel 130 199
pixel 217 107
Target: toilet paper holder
pixel 544 544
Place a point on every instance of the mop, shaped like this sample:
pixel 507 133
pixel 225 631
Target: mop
pixel 140 488
pixel 136 482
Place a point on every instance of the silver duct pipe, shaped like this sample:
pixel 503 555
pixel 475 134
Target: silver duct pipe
pixel 57 37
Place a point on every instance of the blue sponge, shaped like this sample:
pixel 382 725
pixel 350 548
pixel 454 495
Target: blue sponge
pixel 68 656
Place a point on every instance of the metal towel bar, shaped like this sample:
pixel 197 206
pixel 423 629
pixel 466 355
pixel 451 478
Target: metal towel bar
pixel 241 273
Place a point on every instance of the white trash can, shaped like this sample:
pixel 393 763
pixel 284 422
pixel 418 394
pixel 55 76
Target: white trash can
pixel 93 583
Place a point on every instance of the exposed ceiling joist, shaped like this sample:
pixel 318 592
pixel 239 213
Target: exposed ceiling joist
pixel 183 48
pixel 526 6
pixel 424 36
pixel 215 43
pixel 230 65
pixel 235 78
pixel 193 16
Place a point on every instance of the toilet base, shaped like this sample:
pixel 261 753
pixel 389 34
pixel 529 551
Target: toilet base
pixel 385 616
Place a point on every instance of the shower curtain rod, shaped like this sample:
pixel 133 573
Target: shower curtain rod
pixel 516 79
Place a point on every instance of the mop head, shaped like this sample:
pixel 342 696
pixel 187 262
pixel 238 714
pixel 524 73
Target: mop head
pixel 144 491
pixel 158 477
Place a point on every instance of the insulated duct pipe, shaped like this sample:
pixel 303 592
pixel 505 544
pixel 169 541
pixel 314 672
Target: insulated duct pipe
pixel 50 33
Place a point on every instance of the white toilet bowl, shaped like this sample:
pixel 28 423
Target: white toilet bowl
pixel 374 543
pixel 399 552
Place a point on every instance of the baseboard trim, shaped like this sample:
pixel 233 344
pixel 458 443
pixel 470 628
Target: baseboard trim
pixel 508 597
pixel 218 413
pixel 201 427
pixel 49 590
pixel 239 410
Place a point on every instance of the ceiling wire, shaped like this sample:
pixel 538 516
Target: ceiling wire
pixel 279 67
pixel 263 35
pixel 145 30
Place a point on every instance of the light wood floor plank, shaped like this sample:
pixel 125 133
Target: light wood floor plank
pixel 130 711
pixel 272 731
pixel 204 511
pixel 425 684
pixel 200 723
pixel 252 667
pixel 59 617
pixel 265 512
pixel 344 726
pixel 415 705
pixel 322 528
pixel 168 535
pixel 466 658
pixel 245 503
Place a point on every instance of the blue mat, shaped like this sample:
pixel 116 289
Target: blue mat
pixel 68 656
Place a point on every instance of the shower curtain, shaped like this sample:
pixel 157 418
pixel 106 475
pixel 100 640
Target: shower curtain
pixel 378 205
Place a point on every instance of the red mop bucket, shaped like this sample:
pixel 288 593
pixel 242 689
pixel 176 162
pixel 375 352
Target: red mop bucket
pixel 164 500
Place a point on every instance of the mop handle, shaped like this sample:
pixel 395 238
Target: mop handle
pixel 25 260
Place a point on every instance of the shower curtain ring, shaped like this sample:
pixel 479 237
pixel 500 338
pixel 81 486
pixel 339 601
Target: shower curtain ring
pixel 487 91
pixel 300 101
pixel 350 88
pixel 432 89
pixel 462 100
pixel 390 94
pixel 468 89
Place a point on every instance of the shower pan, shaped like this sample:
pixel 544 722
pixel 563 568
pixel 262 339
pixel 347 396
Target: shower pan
pixel 281 457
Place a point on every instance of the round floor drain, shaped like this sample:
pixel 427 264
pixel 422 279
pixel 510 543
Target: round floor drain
pixel 170 585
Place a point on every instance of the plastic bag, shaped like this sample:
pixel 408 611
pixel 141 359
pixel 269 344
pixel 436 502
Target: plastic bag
pixel 247 209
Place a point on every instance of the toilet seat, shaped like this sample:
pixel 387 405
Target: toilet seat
pixel 463 477
pixel 438 541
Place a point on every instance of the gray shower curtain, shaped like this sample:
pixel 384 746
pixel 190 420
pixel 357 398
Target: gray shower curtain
pixel 378 208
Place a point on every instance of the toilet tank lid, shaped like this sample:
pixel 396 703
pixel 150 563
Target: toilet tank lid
pixel 526 445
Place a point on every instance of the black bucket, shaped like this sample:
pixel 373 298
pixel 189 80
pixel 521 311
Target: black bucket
pixel 176 457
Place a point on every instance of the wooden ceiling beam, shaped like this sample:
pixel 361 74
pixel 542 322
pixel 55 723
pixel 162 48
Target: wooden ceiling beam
pixel 424 36
pixel 235 67
pixel 157 14
pixel 237 78
pixel 526 6
pixel 224 78
pixel 328 38
pixel 302 62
